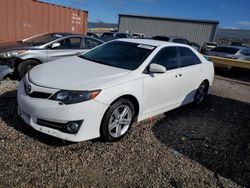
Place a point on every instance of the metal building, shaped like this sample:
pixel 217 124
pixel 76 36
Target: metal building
pixel 23 18
pixel 198 31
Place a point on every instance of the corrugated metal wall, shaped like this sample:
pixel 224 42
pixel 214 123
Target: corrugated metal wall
pixel 20 19
pixel 193 31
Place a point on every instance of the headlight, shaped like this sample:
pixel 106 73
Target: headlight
pixel 12 53
pixel 71 97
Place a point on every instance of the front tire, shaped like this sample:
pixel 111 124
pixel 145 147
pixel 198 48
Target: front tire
pixel 26 66
pixel 201 93
pixel 117 120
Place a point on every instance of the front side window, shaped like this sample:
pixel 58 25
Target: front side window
pixel 167 57
pixel 188 57
pixel 70 43
pixel 120 54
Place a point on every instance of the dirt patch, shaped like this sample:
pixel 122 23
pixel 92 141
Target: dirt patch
pixel 193 146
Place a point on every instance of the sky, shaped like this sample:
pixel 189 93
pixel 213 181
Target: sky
pixel 230 13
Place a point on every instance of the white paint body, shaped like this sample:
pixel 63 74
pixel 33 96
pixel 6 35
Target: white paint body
pixel 155 93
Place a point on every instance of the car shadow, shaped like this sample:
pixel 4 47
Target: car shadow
pixel 9 114
pixel 235 73
pixel 216 134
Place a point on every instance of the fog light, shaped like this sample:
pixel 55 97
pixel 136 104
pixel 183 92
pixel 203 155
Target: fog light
pixel 73 127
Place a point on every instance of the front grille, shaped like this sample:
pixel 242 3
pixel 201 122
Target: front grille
pixel 39 95
pixel 36 94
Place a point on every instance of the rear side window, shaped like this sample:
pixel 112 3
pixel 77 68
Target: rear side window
pixel 167 57
pixel 91 43
pixel 70 43
pixel 188 57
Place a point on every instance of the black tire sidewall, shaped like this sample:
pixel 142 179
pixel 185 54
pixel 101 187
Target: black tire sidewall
pixel 104 131
pixel 23 65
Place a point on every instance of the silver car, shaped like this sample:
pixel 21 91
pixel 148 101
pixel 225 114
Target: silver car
pixel 24 55
pixel 232 52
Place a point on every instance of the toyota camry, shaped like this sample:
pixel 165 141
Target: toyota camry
pixel 102 92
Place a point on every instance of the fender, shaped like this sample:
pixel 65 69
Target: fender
pixel 4 71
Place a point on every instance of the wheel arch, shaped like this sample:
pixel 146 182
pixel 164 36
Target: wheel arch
pixel 19 61
pixel 133 99
pixel 129 97
pixel 206 81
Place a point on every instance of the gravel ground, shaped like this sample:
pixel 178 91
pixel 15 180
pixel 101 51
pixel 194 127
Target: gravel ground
pixel 205 146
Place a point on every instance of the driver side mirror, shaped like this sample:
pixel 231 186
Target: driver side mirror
pixel 55 45
pixel 156 68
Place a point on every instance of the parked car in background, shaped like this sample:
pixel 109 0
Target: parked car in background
pixel 92 35
pixel 232 52
pixel 111 86
pixel 108 36
pixel 138 35
pixel 237 44
pixel 24 55
pixel 208 46
pixel 177 39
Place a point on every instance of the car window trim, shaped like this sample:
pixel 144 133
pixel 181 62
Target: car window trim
pixel 180 58
pixel 145 71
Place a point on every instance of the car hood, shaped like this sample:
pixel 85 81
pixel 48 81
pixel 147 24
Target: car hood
pixel 10 46
pixel 75 73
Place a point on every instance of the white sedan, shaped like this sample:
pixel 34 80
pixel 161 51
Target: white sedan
pixel 102 92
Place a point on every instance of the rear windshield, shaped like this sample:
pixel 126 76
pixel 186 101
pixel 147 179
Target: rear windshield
pixel 120 54
pixel 228 50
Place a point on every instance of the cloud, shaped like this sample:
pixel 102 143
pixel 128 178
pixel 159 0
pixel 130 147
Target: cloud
pixel 244 23
pixel 229 27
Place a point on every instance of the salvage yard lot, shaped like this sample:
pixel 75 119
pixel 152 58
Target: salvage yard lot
pixel 193 146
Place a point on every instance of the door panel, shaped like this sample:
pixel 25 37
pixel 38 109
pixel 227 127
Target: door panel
pixel 161 91
pixel 191 72
pixel 192 77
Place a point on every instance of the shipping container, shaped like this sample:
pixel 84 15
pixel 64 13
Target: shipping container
pixel 20 19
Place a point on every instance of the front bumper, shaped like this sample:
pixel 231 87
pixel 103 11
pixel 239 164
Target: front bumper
pixel 32 109
pixel 4 71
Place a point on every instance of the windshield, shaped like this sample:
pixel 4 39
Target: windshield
pixel 119 54
pixel 43 39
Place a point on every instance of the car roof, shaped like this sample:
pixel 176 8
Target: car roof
pixel 151 42
pixel 235 47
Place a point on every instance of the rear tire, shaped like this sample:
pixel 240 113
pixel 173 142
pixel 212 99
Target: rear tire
pixel 26 66
pixel 201 93
pixel 117 120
